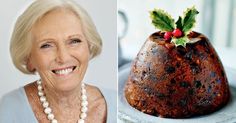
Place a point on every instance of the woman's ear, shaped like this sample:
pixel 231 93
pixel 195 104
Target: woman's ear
pixel 30 67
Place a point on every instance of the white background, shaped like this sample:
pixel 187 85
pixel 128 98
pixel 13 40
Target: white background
pixel 102 71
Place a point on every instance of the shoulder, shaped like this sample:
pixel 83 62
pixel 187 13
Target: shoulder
pixel 14 107
pixel 12 99
pixel 11 103
pixel 110 98
pixel 95 96
pixel 93 92
pixel 97 105
pixel 100 92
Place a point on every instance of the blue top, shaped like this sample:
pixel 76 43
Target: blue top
pixel 15 108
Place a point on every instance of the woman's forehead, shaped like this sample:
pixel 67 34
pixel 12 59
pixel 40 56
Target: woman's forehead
pixel 57 23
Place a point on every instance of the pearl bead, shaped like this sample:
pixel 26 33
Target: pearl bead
pixel 42 99
pixel 84 109
pixel 84 97
pixel 54 121
pixel 83 115
pixel 80 121
pixel 40 93
pixel 84 103
pixel 50 116
pixel 47 110
pixel 45 104
pixel 39 82
pixel 82 85
pixel 40 87
pixel 83 91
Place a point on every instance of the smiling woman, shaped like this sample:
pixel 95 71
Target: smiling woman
pixel 60 50
pixel 55 39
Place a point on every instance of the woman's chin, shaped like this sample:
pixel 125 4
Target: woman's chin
pixel 66 87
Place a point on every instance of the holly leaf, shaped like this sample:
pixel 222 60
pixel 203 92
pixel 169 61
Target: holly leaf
pixel 162 20
pixel 189 19
pixel 180 41
pixel 179 24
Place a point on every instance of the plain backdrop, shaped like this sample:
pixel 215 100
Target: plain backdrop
pixel 102 71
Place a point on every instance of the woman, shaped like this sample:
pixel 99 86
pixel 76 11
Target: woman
pixel 55 39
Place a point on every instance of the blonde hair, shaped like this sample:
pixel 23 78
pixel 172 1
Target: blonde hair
pixel 20 46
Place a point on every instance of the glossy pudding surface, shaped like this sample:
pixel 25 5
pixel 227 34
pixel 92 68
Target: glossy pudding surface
pixel 177 82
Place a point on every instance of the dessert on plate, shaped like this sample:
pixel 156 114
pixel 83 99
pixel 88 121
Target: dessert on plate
pixel 177 73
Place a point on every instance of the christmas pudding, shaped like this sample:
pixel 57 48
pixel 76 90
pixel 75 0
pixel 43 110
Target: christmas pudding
pixel 177 73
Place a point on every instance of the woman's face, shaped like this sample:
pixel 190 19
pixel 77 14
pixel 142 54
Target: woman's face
pixel 60 52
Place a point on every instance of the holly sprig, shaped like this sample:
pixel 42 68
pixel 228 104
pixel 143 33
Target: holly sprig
pixel 162 20
pixel 176 32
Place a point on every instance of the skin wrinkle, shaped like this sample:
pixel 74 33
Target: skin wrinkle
pixel 51 39
pixel 63 93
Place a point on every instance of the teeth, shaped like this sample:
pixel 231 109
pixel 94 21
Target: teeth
pixel 64 71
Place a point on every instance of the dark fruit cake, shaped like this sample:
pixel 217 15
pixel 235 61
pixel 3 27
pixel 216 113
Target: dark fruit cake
pixel 177 81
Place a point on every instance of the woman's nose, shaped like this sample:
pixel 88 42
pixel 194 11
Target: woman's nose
pixel 62 55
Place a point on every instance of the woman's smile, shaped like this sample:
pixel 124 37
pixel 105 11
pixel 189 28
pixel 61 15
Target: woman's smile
pixel 64 71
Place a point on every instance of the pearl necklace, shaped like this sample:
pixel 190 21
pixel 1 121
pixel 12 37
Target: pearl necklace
pixel 48 110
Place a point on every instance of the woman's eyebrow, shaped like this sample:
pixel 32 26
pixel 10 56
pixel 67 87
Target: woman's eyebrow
pixel 45 40
pixel 75 35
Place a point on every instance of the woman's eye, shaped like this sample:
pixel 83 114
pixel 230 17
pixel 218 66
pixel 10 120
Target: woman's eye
pixel 45 46
pixel 75 41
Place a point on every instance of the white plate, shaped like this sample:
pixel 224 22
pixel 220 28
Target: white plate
pixel 128 114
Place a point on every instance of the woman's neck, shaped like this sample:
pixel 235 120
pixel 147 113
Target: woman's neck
pixel 63 99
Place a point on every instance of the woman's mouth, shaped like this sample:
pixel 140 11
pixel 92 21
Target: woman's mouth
pixel 64 71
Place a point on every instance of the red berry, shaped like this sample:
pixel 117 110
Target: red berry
pixel 168 35
pixel 177 33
